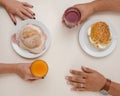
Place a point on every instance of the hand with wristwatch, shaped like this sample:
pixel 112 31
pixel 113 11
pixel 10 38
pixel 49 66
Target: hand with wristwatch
pixel 106 87
pixel 88 80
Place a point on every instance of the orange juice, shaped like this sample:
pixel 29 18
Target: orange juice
pixel 39 68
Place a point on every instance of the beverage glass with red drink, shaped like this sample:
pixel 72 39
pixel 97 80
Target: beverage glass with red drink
pixel 71 17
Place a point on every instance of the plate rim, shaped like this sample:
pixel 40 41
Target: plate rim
pixel 43 26
pixel 82 45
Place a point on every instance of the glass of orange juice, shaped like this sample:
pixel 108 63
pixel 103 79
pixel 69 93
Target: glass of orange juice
pixel 39 68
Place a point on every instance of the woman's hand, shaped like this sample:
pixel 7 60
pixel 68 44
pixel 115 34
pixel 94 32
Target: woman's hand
pixel 17 8
pixel 86 80
pixel 23 70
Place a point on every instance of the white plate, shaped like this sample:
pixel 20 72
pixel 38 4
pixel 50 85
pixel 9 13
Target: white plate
pixel 25 53
pixel 85 43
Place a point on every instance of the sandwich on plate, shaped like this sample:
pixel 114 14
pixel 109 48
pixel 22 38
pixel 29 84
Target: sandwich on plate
pixel 31 38
pixel 99 35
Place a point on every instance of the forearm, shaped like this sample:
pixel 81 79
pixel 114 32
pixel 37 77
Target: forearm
pixel 3 3
pixel 114 89
pixel 106 5
pixel 8 68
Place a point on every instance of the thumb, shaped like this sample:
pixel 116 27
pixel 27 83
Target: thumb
pixel 83 18
pixel 87 70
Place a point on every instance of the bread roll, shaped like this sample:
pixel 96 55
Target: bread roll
pixel 31 38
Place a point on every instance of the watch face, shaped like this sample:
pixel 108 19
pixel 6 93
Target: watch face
pixel 104 92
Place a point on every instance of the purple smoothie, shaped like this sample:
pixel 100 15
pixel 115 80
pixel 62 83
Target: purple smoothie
pixel 72 17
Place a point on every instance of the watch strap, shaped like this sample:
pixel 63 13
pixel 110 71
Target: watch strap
pixel 107 85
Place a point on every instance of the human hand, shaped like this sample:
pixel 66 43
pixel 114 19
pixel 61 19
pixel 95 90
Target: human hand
pixel 23 70
pixel 17 8
pixel 86 10
pixel 86 80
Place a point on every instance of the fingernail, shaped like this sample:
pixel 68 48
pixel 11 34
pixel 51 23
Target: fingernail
pixel 14 23
pixel 72 89
pixel 33 13
pixel 66 77
pixel 68 83
pixel 85 68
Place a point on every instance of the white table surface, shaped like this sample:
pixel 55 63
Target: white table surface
pixel 64 53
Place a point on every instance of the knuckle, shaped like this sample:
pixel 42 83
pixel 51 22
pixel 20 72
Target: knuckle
pixel 86 76
pixel 84 80
pixel 77 79
pixel 70 78
pixel 75 84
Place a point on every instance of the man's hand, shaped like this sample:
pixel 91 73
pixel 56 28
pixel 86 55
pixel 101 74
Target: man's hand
pixel 86 11
pixel 86 80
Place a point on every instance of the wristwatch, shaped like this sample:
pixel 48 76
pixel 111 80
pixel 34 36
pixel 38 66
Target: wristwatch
pixel 106 87
pixel 104 92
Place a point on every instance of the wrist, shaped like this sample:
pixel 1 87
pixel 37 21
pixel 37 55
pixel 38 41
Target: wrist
pixel 99 5
pixel 14 68
pixel 104 90
pixel 106 85
pixel 93 6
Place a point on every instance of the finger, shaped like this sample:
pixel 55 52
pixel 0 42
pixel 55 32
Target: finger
pixel 63 21
pixel 13 18
pixel 75 72
pixel 83 18
pixel 27 4
pixel 31 12
pixel 21 15
pixel 81 21
pixel 13 38
pixel 25 12
pixel 67 25
pixel 31 79
pixel 75 84
pixel 78 89
pixel 87 70
pixel 31 76
pixel 76 79
pixel 34 77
